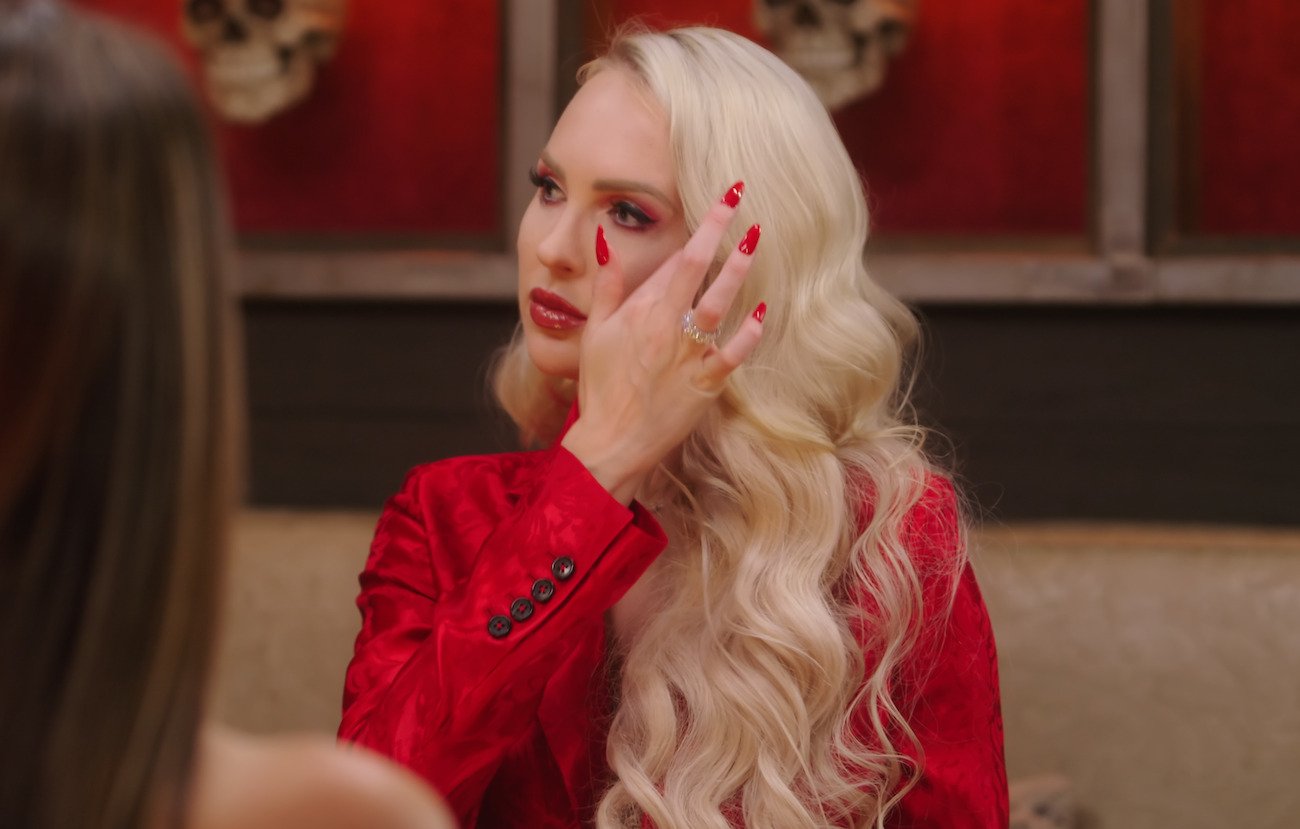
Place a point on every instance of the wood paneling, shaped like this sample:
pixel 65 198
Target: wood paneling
pixel 344 399
pixel 1143 414
pixel 1066 413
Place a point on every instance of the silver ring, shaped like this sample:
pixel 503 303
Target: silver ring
pixel 690 329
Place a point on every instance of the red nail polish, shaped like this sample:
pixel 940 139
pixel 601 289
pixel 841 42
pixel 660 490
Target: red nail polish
pixel 732 196
pixel 602 248
pixel 760 311
pixel 750 241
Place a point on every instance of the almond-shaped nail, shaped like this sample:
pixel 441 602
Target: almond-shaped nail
pixel 760 311
pixel 750 241
pixel 602 247
pixel 732 196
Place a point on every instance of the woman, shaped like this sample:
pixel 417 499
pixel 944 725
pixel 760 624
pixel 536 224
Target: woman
pixel 116 440
pixel 731 591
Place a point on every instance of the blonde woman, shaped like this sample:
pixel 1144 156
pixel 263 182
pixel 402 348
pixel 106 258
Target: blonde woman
pixel 116 450
pixel 731 590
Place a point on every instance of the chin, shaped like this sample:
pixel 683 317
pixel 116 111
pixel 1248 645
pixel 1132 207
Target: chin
pixel 552 357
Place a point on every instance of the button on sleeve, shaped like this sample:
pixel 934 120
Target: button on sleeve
pixel 521 609
pixel 562 568
pixel 543 590
pixel 498 626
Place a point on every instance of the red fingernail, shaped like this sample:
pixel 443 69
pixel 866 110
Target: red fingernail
pixel 760 311
pixel 732 197
pixel 602 248
pixel 750 241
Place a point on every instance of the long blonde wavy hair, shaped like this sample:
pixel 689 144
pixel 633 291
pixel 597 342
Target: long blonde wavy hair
pixel 786 600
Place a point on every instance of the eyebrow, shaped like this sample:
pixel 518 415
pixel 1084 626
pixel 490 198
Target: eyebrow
pixel 613 183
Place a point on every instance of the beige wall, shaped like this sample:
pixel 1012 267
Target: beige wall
pixel 1159 670
pixel 290 619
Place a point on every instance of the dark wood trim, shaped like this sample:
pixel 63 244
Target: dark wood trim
pixel 1121 128
pixel 1028 278
pixel 531 66
pixel 1186 25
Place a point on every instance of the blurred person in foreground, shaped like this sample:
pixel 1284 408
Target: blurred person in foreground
pixel 117 434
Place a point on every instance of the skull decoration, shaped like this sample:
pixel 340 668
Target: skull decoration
pixel 841 47
pixel 260 56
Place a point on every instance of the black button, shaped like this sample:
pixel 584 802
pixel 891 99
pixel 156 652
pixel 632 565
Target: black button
pixel 543 590
pixel 521 609
pixel 498 626
pixel 562 568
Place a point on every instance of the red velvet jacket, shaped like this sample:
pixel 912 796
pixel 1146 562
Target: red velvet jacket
pixel 481 659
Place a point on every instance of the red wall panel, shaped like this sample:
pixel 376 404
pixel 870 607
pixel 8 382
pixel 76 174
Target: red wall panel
pixel 735 15
pixel 1249 130
pixel 400 136
pixel 982 126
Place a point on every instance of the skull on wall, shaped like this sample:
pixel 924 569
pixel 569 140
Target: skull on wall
pixel 260 56
pixel 841 47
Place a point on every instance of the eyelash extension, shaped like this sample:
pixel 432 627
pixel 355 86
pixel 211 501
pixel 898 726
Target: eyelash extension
pixel 547 187
pixel 641 218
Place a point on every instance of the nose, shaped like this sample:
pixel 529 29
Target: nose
pixel 562 248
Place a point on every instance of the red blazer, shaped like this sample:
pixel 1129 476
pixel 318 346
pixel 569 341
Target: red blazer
pixel 481 658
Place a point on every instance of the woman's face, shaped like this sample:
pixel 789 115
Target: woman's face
pixel 607 163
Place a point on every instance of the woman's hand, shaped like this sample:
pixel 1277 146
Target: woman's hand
pixel 643 382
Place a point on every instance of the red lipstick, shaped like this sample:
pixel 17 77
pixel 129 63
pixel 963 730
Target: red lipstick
pixel 554 312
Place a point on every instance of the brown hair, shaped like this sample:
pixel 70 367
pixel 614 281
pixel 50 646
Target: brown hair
pixel 115 421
